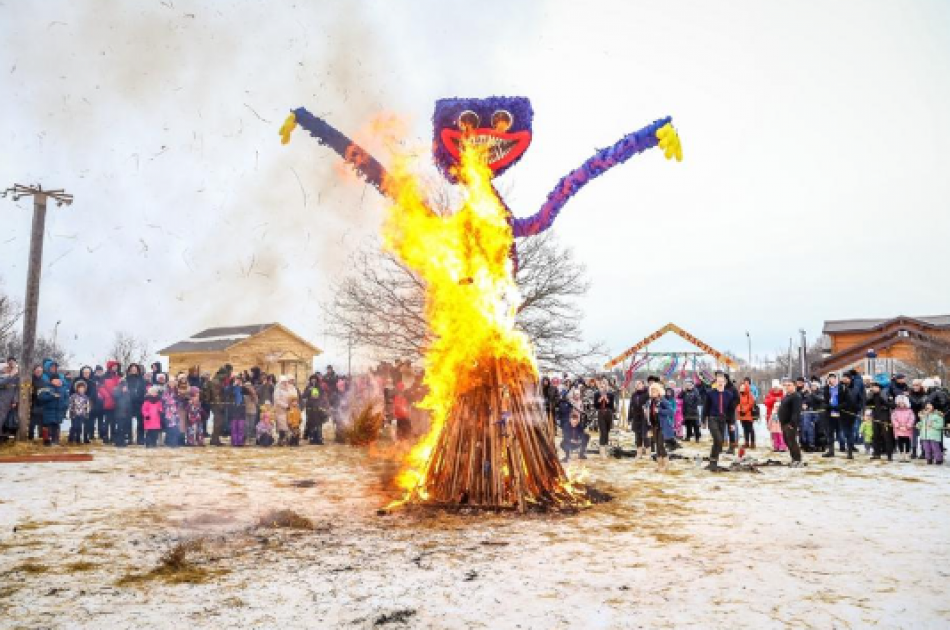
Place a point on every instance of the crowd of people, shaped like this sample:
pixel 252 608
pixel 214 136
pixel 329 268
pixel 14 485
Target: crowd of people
pixel 896 419
pixel 132 406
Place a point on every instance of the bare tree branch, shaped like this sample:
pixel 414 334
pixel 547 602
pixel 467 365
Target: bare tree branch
pixel 127 349
pixel 379 305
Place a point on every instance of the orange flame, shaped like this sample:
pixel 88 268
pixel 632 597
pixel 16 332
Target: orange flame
pixel 471 294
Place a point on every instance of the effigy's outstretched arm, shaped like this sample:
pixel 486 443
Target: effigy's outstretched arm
pixel 365 164
pixel 659 133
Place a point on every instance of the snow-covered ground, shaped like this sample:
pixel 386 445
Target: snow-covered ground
pixel 836 545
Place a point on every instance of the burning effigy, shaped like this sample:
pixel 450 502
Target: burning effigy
pixel 489 444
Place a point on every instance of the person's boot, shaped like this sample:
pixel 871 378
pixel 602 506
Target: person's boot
pixel 567 457
pixel 851 454
pixel 732 449
pixel 829 453
pixel 713 466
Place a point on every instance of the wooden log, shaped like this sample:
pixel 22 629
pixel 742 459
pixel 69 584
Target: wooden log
pixel 51 458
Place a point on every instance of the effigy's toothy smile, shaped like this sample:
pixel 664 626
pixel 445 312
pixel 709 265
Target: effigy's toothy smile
pixel 501 148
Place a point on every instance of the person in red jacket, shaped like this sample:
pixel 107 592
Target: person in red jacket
pixel 106 393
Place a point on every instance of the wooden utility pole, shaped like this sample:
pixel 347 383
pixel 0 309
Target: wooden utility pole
pixel 31 307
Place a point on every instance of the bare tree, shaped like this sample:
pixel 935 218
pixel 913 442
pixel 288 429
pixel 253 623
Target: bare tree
pixel 127 348
pixel 11 342
pixel 10 313
pixel 44 348
pixel 378 306
pixel 931 360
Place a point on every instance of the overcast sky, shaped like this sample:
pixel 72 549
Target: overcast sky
pixel 815 181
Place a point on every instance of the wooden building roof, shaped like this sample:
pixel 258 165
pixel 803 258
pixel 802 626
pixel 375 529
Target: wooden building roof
pixel 221 339
pixel 863 325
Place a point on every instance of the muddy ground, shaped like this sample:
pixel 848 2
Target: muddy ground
pixel 837 545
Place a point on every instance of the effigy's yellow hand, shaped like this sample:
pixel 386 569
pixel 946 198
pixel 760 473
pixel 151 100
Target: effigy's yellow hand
pixel 670 142
pixel 287 128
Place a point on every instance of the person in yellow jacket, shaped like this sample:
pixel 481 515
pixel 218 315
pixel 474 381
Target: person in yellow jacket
pixel 294 420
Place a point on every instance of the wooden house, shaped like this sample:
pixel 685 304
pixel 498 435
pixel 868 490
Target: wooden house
pixel 909 341
pixel 272 347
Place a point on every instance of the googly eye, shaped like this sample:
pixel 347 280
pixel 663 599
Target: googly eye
pixel 502 120
pixel 468 120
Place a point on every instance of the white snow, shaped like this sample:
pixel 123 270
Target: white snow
pixel 839 544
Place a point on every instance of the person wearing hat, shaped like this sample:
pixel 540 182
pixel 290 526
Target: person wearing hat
pixel 897 387
pixel 790 418
pixel 883 434
pixel 937 395
pixel 691 402
pixel 841 410
pixel 918 400
pixel 812 406
pixel 52 398
pixel 152 416
pixel 216 393
pixel 772 399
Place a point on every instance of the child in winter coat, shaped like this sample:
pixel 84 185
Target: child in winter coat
pixel 778 441
pixel 294 420
pixel 772 401
pixel 867 430
pixel 79 409
pixel 173 412
pixel 152 417
pixel 931 434
pixel 194 436
pixel 53 399
pixel 903 421
pixel 265 428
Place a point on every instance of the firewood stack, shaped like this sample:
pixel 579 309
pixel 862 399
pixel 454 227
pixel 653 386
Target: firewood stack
pixel 497 449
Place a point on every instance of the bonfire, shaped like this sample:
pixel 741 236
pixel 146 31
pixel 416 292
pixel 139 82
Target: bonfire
pixel 490 444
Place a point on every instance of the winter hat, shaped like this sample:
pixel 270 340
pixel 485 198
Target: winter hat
pixel 776 383
pixel 902 401
pixel 928 383
pixel 937 382
pixel 153 391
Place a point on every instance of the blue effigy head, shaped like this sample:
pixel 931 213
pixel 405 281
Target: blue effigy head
pixel 502 123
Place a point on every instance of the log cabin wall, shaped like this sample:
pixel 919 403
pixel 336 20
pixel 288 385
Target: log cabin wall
pixel 274 350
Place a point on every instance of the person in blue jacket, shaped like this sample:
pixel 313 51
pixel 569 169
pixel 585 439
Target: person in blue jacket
pixel 53 398
pixel 718 409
